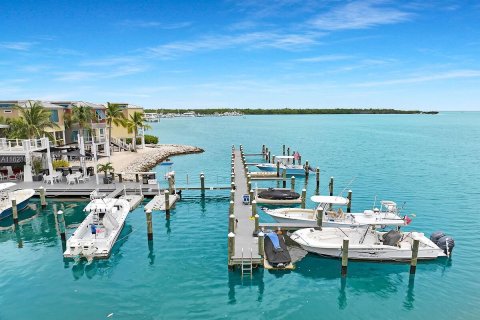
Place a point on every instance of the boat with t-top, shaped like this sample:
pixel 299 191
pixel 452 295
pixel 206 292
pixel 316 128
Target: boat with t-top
pixel 21 196
pixel 285 163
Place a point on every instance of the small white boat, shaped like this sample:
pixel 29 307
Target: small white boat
pixel 286 163
pixel 22 196
pixel 97 234
pixel 387 215
pixel 367 244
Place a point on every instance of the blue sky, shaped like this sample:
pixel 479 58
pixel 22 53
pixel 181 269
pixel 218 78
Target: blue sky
pixel 285 53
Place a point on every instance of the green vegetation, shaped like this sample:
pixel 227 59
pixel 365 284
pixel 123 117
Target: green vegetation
pixel 149 139
pixel 60 164
pixel 105 167
pixel 82 115
pixel 291 111
pixel 114 115
pixel 135 122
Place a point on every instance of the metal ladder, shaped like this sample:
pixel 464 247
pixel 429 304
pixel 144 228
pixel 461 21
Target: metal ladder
pixel 247 264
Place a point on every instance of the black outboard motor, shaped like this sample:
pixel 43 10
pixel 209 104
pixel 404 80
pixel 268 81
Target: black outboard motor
pixel 391 238
pixel 446 243
pixel 436 235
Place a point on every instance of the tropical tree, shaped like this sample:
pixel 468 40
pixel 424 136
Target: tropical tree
pixel 135 122
pixel 33 122
pixel 83 115
pixel 105 167
pixel 114 116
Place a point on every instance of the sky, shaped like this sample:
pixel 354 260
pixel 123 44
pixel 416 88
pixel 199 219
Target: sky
pixel 246 54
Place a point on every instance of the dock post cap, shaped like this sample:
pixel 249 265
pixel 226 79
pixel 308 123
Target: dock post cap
pixel 148 210
pixel 59 212
pixel 41 187
pixel 304 190
pixel 232 216
pixel 231 201
pixel 261 234
pixel 346 239
pixel 231 235
pixel 254 201
pixel 256 216
pixel 349 190
pixel 331 177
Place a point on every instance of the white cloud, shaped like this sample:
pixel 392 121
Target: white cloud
pixel 19 46
pixel 359 15
pixel 154 24
pixel 325 58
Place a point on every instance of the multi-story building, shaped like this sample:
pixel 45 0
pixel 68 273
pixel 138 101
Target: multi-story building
pixel 67 133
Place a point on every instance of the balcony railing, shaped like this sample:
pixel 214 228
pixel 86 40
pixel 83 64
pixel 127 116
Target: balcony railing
pixel 19 145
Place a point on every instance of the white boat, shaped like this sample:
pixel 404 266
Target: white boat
pixel 366 244
pixel 286 163
pixel 97 234
pixel 22 196
pixel 387 215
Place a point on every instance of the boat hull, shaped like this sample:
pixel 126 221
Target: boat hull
pixel 20 206
pixel 273 168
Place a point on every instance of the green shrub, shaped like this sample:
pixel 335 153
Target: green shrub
pixel 60 164
pixel 149 139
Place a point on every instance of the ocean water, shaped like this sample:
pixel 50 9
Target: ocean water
pixel 429 164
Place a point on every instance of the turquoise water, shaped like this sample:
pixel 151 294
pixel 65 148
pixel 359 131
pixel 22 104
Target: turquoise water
pixel 432 163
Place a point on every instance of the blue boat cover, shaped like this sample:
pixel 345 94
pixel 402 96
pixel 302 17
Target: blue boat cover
pixel 274 238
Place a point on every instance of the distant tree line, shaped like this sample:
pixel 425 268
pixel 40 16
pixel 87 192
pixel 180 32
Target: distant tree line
pixel 291 111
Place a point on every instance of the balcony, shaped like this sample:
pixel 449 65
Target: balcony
pixel 13 146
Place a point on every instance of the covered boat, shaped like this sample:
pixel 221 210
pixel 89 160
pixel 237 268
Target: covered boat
pixel 286 163
pixel 277 196
pixel 366 244
pixel 22 196
pixel 387 215
pixel 276 252
pixel 97 234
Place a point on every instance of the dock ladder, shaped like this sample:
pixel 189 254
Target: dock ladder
pixel 247 264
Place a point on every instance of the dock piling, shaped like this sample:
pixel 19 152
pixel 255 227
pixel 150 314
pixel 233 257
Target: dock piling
pixel 232 186
pixel 251 196
pixel 284 176
pixel 231 246
pixel 232 195
pixel 307 169
pixel 288 151
pixel 283 152
pixel 292 183
pixel 317 181
pixel 261 242
pixel 349 205
pixel 61 225
pixel 254 208
pixel 202 182
pixel 231 208
pixel 137 179
pixel 148 214
pixel 269 159
pixel 345 256
pixel 232 178
pixel 14 211
pixel 304 197
pixel 278 169
pixel 319 217
pixel 413 261
pixel 256 217
pixel 231 223
pixel 43 201
pixel 167 202
pixel 330 186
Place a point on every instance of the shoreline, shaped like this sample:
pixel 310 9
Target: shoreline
pixel 146 159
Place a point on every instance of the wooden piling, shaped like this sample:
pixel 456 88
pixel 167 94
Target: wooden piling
pixel 14 211
pixel 61 225
pixel 269 159
pixel 231 247
pixel 304 198
pixel 317 181
pixel 283 152
pixel 202 182
pixel 413 261
pixel 261 243
pixel 345 256
pixel 254 208
pixel 288 151
pixel 299 159
pixel 263 150
pixel 231 208
pixel 330 186
pixel 43 201
pixel 251 196
pixel 170 184
pixel 284 176
pixel 249 185
pixel 292 183
pixel 232 195
pixel 120 177
pixel 349 205
pixel 307 167
pixel 232 186
pixel 137 179
pixel 278 169
pixel 167 202
pixel 232 178
pixel 148 214
pixel 273 159
pixel 231 223
pixel 256 217
pixel 319 217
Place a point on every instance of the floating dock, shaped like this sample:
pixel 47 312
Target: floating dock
pixel 158 202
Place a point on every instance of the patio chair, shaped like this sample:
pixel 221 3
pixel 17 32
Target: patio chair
pixel 83 178
pixel 48 179
pixel 71 179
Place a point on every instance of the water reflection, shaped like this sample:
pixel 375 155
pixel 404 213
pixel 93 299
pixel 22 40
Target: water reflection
pixel 235 279
pixel 342 296
pixel 151 253
pixel 102 267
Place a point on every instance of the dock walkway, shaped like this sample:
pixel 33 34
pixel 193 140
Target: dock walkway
pixel 245 227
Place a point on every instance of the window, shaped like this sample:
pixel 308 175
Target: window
pixel 54 115
pixel 74 135
pixel 7 111
pixel 100 114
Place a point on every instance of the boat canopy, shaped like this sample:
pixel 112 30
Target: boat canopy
pixel 330 200
pixel 284 157
pixel 6 185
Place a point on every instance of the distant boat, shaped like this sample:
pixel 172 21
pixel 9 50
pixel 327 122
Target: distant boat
pixel 387 215
pixel 22 196
pixel 97 234
pixel 368 244
pixel 286 162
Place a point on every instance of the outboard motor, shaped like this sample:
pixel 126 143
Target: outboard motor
pixel 446 243
pixel 434 237
pixel 391 238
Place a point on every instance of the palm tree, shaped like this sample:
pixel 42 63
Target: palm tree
pixel 105 167
pixel 34 121
pixel 114 115
pixel 82 115
pixel 135 122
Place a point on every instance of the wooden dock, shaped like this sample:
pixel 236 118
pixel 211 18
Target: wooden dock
pixel 158 202
pixel 244 230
